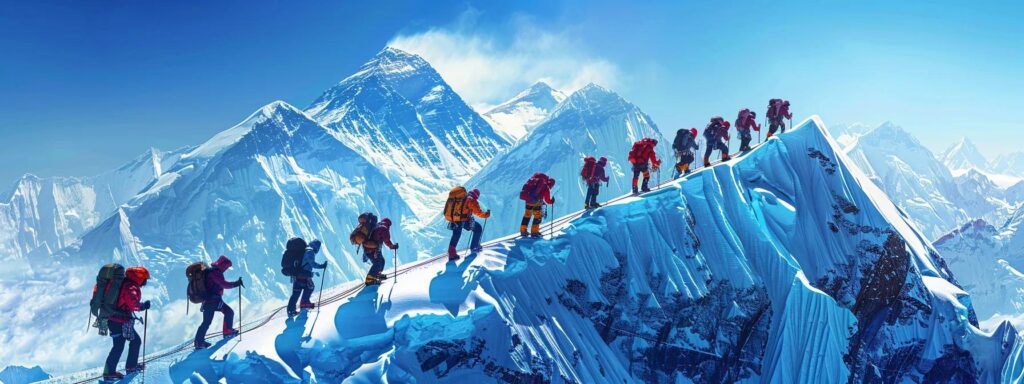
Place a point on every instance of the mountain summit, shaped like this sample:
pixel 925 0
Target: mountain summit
pixel 520 114
pixel 963 156
pixel 593 121
pixel 398 113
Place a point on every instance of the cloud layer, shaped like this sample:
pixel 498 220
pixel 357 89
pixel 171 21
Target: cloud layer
pixel 485 69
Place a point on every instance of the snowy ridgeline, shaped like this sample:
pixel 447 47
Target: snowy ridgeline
pixel 787 265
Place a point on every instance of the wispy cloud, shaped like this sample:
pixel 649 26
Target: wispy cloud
pixel 487 67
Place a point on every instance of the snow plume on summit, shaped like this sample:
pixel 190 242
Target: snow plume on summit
pixel 398 113
pixel 515 118
pixel 786 265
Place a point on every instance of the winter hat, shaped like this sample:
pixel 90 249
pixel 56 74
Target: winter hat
pixel 137 274
pixel 386 222
pixel 222 263
pixel 693 131
pixel 315 245
pixel 474 194
pixel 551 183
pixel 603 160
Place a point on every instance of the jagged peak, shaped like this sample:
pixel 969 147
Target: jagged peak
pixel 277 111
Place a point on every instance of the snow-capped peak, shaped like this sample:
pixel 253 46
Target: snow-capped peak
pixel 514 118
pixel 964 155
pixel 277 110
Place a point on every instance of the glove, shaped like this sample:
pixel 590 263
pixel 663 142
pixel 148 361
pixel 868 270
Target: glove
pixel 239 283
pixel 145 305
pixel 395 247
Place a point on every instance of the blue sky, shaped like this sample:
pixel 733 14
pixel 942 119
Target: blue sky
pixel 89 85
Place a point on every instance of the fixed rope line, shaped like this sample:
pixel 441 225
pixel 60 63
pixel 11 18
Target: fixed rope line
pixel 347 292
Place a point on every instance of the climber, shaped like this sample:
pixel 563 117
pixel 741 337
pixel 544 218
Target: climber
pixel 215 286
pixel 684 145
pixel 745 121
pixel 459 210
pixel 381 235
pixel 121 324
pixel 639 155
pixel 778 109
pixel 593 175
pixel 302 282
pixel 536 192
pixel 716 134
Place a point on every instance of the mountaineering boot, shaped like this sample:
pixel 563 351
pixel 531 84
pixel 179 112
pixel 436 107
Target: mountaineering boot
pixel 476 249
pixel 707 161
pixel 523 233
pixel 230 333
pixel 382 277
pixel 453 254
pixel 586 206
pixel 725 157
pixel 535 235
pixel 292 313
pixel 307 306
pixel 635 192
pixel 136 369
pixel 372 280
pixel 113 376
pixel 202 344
pixel 595 205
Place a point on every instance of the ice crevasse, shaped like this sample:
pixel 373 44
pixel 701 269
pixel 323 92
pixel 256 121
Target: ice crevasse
pixel 785 265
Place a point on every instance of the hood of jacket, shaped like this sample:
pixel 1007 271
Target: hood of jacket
pixel 222 263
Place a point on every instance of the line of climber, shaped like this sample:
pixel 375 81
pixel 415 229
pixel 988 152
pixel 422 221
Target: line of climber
pixel 117 295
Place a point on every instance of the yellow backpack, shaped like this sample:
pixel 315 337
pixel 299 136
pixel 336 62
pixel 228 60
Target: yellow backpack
pixel 455 206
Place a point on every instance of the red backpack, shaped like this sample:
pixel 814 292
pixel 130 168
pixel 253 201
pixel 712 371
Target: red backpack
pixel 532 190
pixel 589 163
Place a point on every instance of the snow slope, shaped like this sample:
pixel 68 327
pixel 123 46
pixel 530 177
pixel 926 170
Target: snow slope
pixel 39 216
pixel 988 260
pixel 242 193
pixel 398 113
pixel 516 117
pixel 964 156
pixel 592 121
pixel 787 265
pixel 911 176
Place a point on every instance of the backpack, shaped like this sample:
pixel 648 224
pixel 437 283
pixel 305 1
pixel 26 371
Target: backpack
pixel 454 207
pixel 361 233
pixel 637 152
pixel 532 188
pixel 772 105
pixel 196 275
pixel 105 294
pixel 589 163
pixel 291 260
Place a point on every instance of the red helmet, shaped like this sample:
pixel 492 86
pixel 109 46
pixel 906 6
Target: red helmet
pixel 137 274
pixel 693 131
pixel 725 124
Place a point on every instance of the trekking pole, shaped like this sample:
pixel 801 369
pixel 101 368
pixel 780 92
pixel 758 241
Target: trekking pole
pixel 323 277
pixel 551 232
pixel 145 333
pixel 240 313
pixel 395 281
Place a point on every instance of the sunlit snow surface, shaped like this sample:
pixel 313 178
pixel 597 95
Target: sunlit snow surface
pixel 784 266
